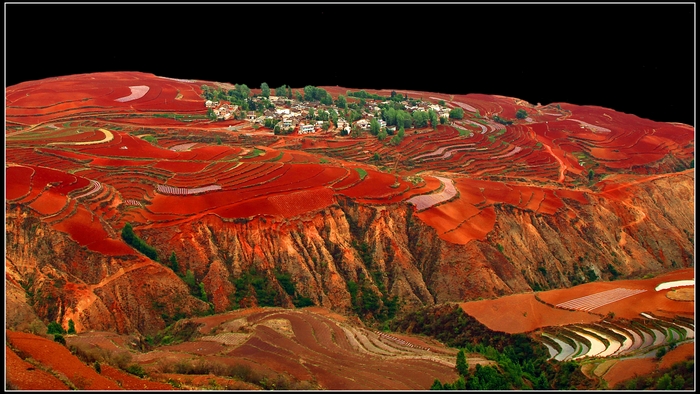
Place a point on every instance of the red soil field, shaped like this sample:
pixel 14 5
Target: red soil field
pixel 85 229
pixel 25 376
pixel 17 181
pixel 60 359
pixel 522 313
pixel 649 301
pixel 130 382
pixel 682 352
pixel 629 368
pixel 181 166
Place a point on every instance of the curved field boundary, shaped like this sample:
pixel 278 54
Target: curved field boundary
pixel 401 341
pixel 136 93
pixel 591 127
pixel 511 153
pixel 96 187
pixel 677 283
pixel 464 106
pixel 444 152
pixel 183 147
pixel 593 301
pixel 164 189
pixel 597 346
pixel 108 137
pixel 132 202
pixel 423 202
pixel 566 350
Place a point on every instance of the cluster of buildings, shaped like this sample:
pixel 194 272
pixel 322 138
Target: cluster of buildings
pixel 290 113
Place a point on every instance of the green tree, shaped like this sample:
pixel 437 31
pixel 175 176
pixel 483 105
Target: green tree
pixel 457 113
pixel 309 93
pixel 173 263
pixel 311 114
pixel 521 114
pixel 341 102
pixel 437 385
pixel 462 366
pixel 189 279
pixel 98 367
pixel 401 133
pixel 678 383
pixel 443 120
pixel 264 90
pixel 71 326
pixel 664 382
pixel 327 99
pixel 59 338
pixel 374 126
pixel 381 136
pixel 202 293
pixel 299 96
pixel 433 118
pixel 218 140
pixel 55 328
pixel 389 116
pixel 128 233
pixel 242 91
pixel 281 91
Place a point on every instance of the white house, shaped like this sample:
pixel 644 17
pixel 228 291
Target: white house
pixel 209 103
pixel 362 123
pixel 282 111
pixel 307 128
pixel 251 116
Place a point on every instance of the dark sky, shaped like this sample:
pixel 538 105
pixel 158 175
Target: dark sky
pixel 634 58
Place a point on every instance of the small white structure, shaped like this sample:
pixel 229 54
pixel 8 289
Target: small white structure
pixel 382 123
pixel 209 103
pixel 282 111
pixel 251 116
pixel 362 123
pixel 307 128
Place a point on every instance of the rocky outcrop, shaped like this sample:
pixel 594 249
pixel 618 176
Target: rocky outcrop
pixel 614 235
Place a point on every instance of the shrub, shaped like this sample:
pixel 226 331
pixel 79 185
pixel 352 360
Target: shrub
pixel 136 369
pixel 55 328
pixel 60 339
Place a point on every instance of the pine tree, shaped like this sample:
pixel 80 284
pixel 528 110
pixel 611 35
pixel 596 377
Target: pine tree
pixel 173 263
pixel 462 366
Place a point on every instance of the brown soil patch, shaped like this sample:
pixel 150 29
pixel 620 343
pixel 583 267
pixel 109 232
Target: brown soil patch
pixel 131 382
pixel 628 369
pixel 682 352
pixel 57 357
pixel 682 294
pixel 522 313
pixel 21 375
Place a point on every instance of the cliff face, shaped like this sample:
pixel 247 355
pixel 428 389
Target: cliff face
pixel 51 276
pixel 616 234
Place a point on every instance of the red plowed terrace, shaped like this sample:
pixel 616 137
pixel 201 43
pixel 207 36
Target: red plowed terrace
pixel 311 348
pixel 78 142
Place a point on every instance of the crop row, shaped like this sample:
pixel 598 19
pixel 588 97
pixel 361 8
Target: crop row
pixel 181 191
pixel 612 339
pixel 593 301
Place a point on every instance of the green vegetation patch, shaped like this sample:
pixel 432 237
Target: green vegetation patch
pixel 362 173
pixel 255 153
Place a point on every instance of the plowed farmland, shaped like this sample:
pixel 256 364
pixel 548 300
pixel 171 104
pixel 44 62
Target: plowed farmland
pixel 554 217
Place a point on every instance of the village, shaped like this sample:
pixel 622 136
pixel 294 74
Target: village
pixel 291 116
